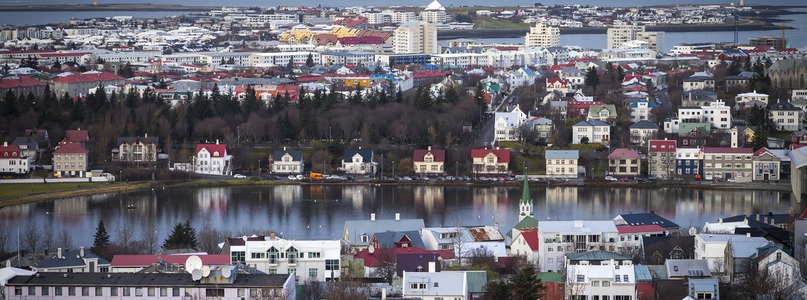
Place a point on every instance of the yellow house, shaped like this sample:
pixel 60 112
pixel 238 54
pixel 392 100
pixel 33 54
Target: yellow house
pixel 429 161
pixel 741 135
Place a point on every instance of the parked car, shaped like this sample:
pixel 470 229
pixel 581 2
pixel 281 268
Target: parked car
pixel 624 180
pixel 610 178
pixel 292 177
pixel 239 176
pixel 731 180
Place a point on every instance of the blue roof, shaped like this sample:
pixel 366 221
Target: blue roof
pixel 642 273
pixel 636 105
pixel 366 154
pixel 591 123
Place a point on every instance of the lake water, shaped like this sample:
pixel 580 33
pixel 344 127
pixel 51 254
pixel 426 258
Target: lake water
pixel 22 18
pixel 319 212
pixel 423 3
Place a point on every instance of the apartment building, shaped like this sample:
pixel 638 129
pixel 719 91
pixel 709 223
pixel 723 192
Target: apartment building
pixel 785 116
pixel 592 132
pixel 557 238
pixel 608 279
pixel 727 163
pixel 689 163
pixel 314 259
pixel 562 163
pixel 415 37
pixel 542 35
pixel 624 162
pixel 618 35
pixel 434 13
pixel 661 158
pixel 282 58
pixel 70 160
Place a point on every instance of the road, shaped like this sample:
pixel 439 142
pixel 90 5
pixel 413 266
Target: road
pixel 484 136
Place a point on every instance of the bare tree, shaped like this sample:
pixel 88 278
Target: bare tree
pixel 572 288
pixel 209 237
pixel 31 237
pixel 47 237
pixel 388 264
pixel 346 290
pixel 5 238
pixel 312 290
pixel 765 283
pixel 65 240
pixel 481 256
pixel 149 237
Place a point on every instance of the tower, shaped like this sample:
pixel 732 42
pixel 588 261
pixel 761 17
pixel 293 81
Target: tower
pixel 525 205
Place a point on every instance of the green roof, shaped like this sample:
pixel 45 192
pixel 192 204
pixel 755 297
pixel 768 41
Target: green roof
pixel 527 222
pixel 551 277
pixel 525 193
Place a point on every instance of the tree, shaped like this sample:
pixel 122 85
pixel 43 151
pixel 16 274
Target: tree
pixel 312 290
pixel 100 245
pixel 388 264
pixel 526 285
pixel 30 237
pixel 497 290
pixel 592 78
pixel 346 290
pixel 310 60
pixel 183 236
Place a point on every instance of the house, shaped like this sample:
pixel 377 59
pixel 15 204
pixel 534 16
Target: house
pixel 29 147
pixel 307 259
pixel 12 160
pixel 359 161
pixel 542 128
pixel 508 125
pixel 79 85
pixel 783 268
pixel 212 159
pixel 642 131
pixel 357 233
pixel 70 160
pixel 21 86
pixel 122 263
pixel 766 165
pixel 556 238
pixel 661 158
pixel 287 161
pixel 457 285
pixel 594 132
pixel 136 149
pixel 738 256
pixel 490 162
pixel 772 227
pixel 379 260
pixel 630 236
pixel 699 81
pixel 689 163
pixel 72 261
pixel 785 116
pixel 62 286
pixel 727 163
pixel 748 99
pixel 429 161
pixel 557 84
pixel 526 243
pixel 562 163
pixel 742 136
pixel 522 76
pixel 601 112
pixel 640 110
pixel 464 241
pixel 76 136
pixel 712 247
pixel 612 279
pixel 651 218
pixel 624 162
pixel 417 262
pixel 697 98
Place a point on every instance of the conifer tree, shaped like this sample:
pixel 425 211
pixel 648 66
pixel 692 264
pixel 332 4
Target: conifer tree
pixel 100 243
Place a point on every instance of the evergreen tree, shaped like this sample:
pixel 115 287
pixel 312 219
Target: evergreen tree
pixel 9 104
pixel 183 236
pixel 422 99
pixel 479 98
pixel 497 290
pixel 452 96
pixel 310 60
pixel 526 285
pixel 100 243
pixel 250 102
pixel 592 78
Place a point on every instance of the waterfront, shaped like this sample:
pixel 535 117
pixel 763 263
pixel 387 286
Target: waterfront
pixel 21 18
pixel 319 212
pixel 447 3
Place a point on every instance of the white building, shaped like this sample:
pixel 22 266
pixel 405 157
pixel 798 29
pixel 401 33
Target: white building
pixel 619 35
pixel 609 280
pixel 508 125
pixel 640 110
pixel 744 98
pixel 557 238
pixel 594 131
pixel 434 13
pixel 282 58
pixel 785 116
pixel 418 37
pixel 315 259
pixel 542 35
pixel 464 240
pixel 212 159
pixel 12 160
pixel 287 162
pixel 562 163
pixel 455 285
pixel 712 247
pixel 359 161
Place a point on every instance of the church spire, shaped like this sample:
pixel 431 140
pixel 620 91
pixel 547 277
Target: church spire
pixel 525 204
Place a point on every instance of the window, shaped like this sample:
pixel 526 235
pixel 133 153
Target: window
pixel 175 292
pixel 138 292
pixel 57 291
pixel 595 283
pixel 113 291
pixel 364 238
pixel 313 272
pixel 45 291
pixel 31 291
pixel 625 278
pixel 253 293
pixel 99 291
pixel 188 292
pixel 238 256
pixel 332 265
pixel 151 292
pixel 581 278
pixel 616 278
pixel 417 286
pixel 272 255
pixel 292 254
pixel 240 293
pixel 314 254
pixel 71 291
pixel 18 291
pixel 606 283
pixel 214 292
pixel 163 292
pixel 127 292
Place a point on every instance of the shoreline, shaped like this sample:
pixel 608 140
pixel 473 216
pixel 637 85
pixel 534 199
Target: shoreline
pixel 32 198
pixel 106 7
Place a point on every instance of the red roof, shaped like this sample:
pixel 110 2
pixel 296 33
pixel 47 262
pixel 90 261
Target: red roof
pixel 25 52
pixel 555 80
pixel 661 146
pixel 103 76
pixel 761 151
pixel 71 148
pixel 503 155
pixel 373 259
pixel 531 236
pixel 639 229
pixel 22 81
pixel 429 74
pixel 361 40
pixel 147 260
pixel 624 153
pixel 8 150
pixel 213 149
pixel 76 136
pixel 439 155
pixel 77 54
pixel 728 150
pixel 350 22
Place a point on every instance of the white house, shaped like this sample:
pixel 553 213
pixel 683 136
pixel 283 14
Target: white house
pixel 12 160
pixel 212 159
pixel 315 259
pixel 508 124
pixel 594 131
pixel 744 98
pixel 712 247
pixel 455 285
pixel 287 161
pixel 642 131
pixel 72 261
pixel 785 116
pixel 464 240
pixel 359 161
pixel 609 279
pixel 526 243
pixel 557 238
pixel 640 110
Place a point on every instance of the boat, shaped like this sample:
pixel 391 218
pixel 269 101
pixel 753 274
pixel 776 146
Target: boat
pixel 131 206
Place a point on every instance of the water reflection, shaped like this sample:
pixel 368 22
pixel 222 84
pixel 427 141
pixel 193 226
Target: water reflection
pixel 319 212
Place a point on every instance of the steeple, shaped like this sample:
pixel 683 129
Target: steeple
pixel 525 205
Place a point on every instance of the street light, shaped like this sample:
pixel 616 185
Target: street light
pixel 456 169
pixel 393 170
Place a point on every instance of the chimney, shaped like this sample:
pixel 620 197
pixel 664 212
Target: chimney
pixel 284 148
pixel 748 234
pixel 81 252
pixel 217 141
pixel 59 253
pixel 757 217
pixel 720 220
pixel 5 144
pixel 372 217
pixel 397 216
pixel 147 136
pixel 272 235
pixel 384 294
pixel 430 148
pixel 432 267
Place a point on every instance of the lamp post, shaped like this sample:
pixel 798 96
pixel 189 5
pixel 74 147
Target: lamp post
pixel 393 170
pixel 456 169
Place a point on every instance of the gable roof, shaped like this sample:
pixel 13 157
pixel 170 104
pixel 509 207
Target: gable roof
pixel 531 237
pixel 70 258
pixel 221 149
pixel 366 154
pixel 439 155
pixel 627 229
pixel 6 151
pixel 296 155
pixel 101 76
pixel 502 155
pixel 591 123
pixel 76 136
pixel 28 141
pixel 356 228
pixel 562 154
pixel 650 218
pixel 147 260
pixel 596 256
pixel 135 139
pixel 644 124
pixel 662 146
pixel 387 239
pixel 624 153
pixel 71 148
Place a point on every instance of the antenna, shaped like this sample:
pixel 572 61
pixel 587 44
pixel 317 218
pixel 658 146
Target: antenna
pixel 196 275
pixel 226 272
pixel 193 263
pixel 205 271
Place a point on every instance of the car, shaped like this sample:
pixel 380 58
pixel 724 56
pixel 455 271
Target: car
pixel 731 180
pixel 300 177
pixel 610 178
pixel 292 177
pixel 624 180
pixel 239 176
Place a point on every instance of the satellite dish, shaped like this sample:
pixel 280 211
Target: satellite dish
pixel 692 231
pixel 205 271
pixel 371 249
pixel 196 275
pixel 226 272
pixel 193 263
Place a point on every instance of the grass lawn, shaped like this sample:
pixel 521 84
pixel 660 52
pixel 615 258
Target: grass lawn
pixel 490 23
pixel 535 165
pixel 20 189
